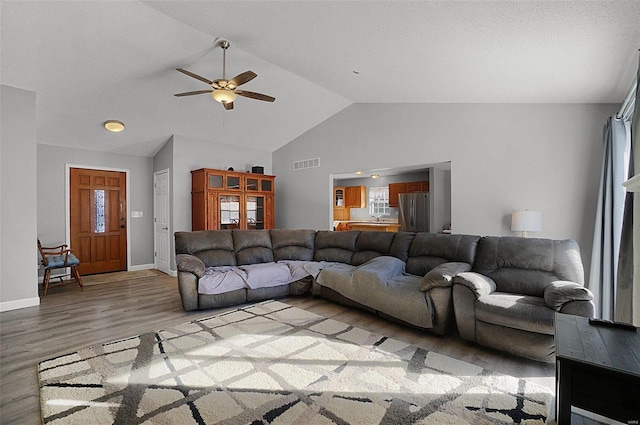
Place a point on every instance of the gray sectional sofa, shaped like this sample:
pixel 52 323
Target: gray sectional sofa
pixel 503 292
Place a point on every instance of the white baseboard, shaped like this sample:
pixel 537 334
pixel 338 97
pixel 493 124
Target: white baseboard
pixel 131 269
pixel 141 267
pixel 173 273
pixel 16 304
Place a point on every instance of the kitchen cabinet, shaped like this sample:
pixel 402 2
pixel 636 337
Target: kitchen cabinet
pixel 408 187
pixel 417 187
pixel 396 189
pixel 340 210
pixel 355 196
pixel 231 200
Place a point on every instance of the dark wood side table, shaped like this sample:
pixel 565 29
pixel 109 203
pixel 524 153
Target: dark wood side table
pixel 597 369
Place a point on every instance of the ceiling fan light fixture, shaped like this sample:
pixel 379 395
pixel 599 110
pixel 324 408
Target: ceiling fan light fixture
pixel 114 126
pixel 223 96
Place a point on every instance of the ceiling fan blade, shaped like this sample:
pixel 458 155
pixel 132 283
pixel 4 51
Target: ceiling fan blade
pixel 196 76
pixel 243 78
pixel 191 93
pixel 253 95
pixel 228 105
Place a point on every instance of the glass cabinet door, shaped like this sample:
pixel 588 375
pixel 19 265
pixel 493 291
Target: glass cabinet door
pixel 266 185
pixel 214 181
pixel 255 212
pixel 339 197
pixel 251 184
pixel 233 182
pixel 229 212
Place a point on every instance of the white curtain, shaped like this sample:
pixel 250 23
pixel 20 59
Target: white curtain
pixel 609 214
pixel 625 277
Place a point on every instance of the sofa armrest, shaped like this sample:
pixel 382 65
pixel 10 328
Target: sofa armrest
pixel 191 264
pixel 561 292
pixel 442 275
pixel 478 284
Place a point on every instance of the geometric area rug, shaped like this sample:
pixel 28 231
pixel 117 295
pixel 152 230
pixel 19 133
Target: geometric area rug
pixel 272 363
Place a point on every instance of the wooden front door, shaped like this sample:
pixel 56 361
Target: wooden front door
pixel 98 220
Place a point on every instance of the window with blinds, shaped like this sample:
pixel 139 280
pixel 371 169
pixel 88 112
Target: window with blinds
pixel 379 201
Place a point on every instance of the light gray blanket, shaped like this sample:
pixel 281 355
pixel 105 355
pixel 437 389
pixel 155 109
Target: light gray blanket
pixel 383 285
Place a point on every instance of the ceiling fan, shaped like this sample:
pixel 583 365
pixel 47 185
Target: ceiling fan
pixel 223 90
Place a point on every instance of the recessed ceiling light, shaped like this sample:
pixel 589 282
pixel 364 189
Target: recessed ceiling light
pixel 114 126
pixel 375 176
pixel 358 172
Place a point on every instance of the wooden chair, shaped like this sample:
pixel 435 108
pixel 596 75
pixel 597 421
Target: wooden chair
pixel 58 257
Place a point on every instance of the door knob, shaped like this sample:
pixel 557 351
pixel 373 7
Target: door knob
pixel 122 226
pixel 165 228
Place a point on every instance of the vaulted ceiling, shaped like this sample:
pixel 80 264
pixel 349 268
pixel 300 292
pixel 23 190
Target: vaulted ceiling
pixel 96 60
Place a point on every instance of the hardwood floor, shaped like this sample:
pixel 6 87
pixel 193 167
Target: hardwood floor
pixel 68 320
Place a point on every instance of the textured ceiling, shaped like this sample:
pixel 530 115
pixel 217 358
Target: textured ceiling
pixel 92 61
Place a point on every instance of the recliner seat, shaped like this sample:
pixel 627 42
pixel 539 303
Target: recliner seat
pixel 509 300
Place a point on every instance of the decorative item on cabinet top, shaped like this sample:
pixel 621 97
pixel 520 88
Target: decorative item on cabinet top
pixel 231 200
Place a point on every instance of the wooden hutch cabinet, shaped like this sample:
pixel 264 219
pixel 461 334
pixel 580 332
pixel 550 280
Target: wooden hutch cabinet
pixel 231 200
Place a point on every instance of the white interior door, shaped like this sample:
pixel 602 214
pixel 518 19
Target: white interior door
pixel 161 220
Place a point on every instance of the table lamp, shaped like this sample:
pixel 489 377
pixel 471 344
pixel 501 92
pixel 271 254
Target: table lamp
pixel 526 221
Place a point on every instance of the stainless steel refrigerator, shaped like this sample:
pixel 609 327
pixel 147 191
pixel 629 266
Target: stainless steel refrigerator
pixel 413 212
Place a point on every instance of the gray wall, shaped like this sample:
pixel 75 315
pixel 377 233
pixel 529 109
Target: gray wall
pixel 18 205
pixel 182 154
pixel 52 161
pixel 503 157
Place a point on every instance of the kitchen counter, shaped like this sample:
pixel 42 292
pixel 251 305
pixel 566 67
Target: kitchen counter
pixel 380 226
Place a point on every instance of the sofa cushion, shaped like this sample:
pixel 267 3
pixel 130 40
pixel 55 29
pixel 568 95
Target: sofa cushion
pixel 370 245
pixel 339 277
pixel 252 246
pixel 401 245
pixel 213 247
pixel 297 268
pixel 218 280
pixel 381 269
pixel 528 265
pixel 293 244
pixel 522 312
pixel 429 250
pixel 335 246
pixel 401 299
pixel 266 275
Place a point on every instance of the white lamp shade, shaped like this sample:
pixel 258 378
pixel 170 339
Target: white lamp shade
pixel 526 221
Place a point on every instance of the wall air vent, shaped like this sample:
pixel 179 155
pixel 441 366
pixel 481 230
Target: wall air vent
pixel 306 163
